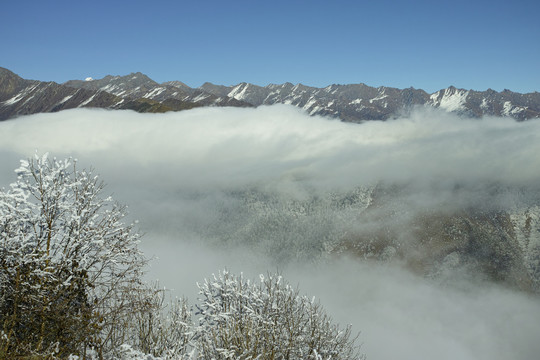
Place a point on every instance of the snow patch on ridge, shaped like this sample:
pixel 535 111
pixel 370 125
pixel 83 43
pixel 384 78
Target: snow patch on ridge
pixel 484 104
pixel 239 92
pixel 14 99
pixel 315 110
pixel 201 97
pixel 380 97
pixel 87 101
pixel 154 92
pixel 310 103
pixel 509 109
pixel 65 99
pixel 451 100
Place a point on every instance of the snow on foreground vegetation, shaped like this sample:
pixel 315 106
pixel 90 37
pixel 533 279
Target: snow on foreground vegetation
pixel 253 190
pixel 71 286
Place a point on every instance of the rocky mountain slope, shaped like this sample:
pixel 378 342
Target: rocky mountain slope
pixel 382 224
pixel 137 92
pixel 21 97
pixel 137 86
pixel 354 102
pixel 499 243
pixel 357 102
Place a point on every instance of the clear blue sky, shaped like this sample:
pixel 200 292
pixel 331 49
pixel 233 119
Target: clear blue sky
pixel 425 44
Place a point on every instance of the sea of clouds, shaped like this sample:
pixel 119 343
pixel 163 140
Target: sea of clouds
pixel 185 176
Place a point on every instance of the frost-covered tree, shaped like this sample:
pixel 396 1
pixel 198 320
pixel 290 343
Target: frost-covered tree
pixel 67 261
pixel 70 287
pixel 240 319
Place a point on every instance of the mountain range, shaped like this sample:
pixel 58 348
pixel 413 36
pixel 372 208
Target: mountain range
pixel 352 103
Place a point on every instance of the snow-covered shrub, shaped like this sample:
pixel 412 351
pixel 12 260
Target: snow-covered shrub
pixel 268 319
pixel 159 328
pixel 66 262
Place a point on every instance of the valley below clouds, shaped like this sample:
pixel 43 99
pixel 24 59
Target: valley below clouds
pixel 423 231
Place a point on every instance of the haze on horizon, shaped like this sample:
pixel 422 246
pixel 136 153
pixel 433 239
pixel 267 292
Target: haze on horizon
pixel 181 175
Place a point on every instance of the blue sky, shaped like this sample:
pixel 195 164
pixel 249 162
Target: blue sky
pixel 424 44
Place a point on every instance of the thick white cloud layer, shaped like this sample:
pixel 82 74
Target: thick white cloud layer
pixel 180 174
pixel 218 146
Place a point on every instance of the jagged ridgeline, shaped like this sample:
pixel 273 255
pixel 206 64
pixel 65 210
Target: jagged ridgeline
pixel 354 102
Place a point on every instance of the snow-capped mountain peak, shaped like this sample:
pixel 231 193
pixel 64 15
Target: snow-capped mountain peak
pixel 352 102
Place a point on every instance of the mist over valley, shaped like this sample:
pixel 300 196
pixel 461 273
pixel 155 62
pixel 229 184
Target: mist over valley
pixel 422 231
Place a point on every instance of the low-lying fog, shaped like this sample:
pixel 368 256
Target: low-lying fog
pixel 267 189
